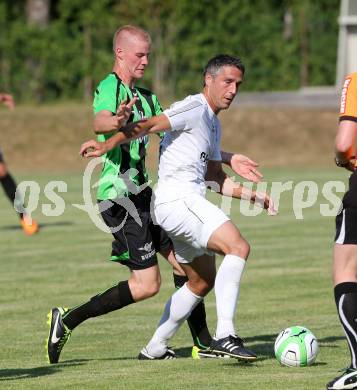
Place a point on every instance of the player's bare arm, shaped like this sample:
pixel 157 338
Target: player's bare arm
pixel 105 122
pixel 131 131
pixel 344 144
pixel 228 187
pixel 242 166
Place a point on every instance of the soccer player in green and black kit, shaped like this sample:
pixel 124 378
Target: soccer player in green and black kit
pixel 123 190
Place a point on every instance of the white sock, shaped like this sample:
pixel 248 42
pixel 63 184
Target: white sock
pixel 227 289
pixel 177 310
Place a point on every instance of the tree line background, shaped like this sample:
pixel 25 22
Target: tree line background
pixel 60 49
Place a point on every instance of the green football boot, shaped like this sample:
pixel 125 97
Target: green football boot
pixel 58 335
pixel 204 353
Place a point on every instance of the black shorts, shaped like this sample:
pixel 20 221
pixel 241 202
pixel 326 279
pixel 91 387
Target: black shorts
pixel 134 246
pixel 1 157
pixel 346 226
pixel 350 198
pixel 346 220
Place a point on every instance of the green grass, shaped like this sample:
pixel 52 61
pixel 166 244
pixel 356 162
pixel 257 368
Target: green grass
pixel 287 282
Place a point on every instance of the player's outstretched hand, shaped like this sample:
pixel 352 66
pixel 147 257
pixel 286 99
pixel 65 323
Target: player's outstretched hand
pixel 265 201
pixel 93 149
pixel 124 111
pixel 246 168
pixel 8 100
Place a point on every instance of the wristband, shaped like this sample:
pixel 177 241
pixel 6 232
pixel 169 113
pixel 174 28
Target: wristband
pixel 341 164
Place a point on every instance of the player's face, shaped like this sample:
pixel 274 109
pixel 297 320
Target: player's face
pixel 223 88
pixel 135 57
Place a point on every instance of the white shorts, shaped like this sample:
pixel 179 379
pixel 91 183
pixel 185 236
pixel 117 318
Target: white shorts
pixel 189 222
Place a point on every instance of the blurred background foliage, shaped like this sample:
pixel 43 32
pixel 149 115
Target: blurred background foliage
pixel 60 49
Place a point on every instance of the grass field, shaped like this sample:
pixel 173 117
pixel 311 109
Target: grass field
pixel 287 282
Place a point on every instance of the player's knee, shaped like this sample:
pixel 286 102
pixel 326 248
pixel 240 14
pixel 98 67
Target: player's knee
pixel 239 248
pixel 150 289
pixel 201 287
pixel 205 287
pixel 153 289
pixel 208 286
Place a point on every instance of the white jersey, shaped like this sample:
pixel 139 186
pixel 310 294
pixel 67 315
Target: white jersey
pixel 195 138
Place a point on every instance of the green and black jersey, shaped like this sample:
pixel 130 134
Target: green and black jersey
pixel 124 166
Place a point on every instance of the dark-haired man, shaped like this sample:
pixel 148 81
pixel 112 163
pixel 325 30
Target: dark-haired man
pixel 123 180
pixel 190 155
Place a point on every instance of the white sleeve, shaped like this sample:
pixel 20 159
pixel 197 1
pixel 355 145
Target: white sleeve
pixel 184 117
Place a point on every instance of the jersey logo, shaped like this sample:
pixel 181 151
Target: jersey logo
pixel 144 139
pixel 344 95
pixel 204 157
pixel 54 338
pixel 141 114
pixel 147 247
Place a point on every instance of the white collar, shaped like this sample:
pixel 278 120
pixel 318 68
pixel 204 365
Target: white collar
pixel 211 114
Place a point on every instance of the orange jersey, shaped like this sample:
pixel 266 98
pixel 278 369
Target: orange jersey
pixel 348 107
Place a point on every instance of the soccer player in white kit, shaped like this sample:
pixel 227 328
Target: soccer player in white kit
pixel 190 160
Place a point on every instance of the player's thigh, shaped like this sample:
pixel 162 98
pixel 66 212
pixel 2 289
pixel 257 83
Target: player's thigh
pixel 201 273
pixel 184 228
pixel 345 250
pixel 133 245
pixel 227 239
pixel 345 263
pixel 191 220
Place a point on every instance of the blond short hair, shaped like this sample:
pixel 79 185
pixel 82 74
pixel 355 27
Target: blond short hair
pixel 133 30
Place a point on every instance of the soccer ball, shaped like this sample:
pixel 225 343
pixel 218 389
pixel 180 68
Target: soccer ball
pixel 296 347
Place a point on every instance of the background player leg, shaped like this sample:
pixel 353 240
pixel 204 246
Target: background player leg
pixel 8 183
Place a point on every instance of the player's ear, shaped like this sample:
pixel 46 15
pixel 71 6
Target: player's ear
pixel 118 53
pixel 208 79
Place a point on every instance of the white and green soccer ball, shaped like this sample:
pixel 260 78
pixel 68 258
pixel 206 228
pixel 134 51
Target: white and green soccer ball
pixel 296 347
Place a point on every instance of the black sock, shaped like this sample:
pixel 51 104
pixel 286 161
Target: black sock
pixel 346 302
pixel 197 320
pixel 9 186
pixel 112 299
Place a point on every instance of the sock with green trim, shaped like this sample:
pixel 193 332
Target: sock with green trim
pixel 112 299
pixel 197 320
